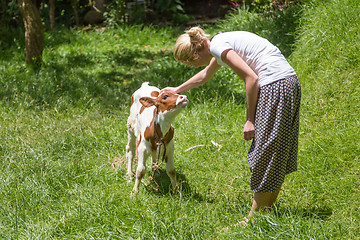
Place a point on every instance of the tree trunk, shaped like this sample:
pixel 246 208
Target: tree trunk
pixel 34 31
pixel 52 14
pixel 76 13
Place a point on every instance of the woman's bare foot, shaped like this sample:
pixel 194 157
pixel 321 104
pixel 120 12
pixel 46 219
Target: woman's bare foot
pixel 244 222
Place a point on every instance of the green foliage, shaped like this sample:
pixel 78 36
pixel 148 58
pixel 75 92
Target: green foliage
pixel 267 6
pixel 171 10
pixel 9 13
pixel 115 14
pixel 161 11
pixel 64 12
pixel 77 70
pixel 11 41
pixel 62 126
pixel 278 27
pixel 319 41
pixel 328 44
pixel 327 61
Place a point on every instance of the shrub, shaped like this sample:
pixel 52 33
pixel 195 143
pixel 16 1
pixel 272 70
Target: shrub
pixel 279 27
pixel 116 13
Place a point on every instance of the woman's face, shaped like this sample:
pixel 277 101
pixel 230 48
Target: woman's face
pixel 202 58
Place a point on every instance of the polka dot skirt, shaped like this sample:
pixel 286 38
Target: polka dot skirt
pixel 273 152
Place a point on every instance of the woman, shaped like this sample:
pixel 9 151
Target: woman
pixel 273 101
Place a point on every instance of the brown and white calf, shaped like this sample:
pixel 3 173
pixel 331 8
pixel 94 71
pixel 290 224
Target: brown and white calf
pixel 149 124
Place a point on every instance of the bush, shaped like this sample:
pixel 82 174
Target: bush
pixel 9 13
pixel 116 13
pixel 267 6
pixel 161 11
pixel 279 27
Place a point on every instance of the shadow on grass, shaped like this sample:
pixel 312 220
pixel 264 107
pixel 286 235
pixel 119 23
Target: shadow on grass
pixel 163 186
pixel 321 213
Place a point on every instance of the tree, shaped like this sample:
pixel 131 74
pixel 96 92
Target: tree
pixel 74 4
pixel 52 14
pixel 34 31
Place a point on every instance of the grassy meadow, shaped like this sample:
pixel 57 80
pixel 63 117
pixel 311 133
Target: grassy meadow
pixel 63 126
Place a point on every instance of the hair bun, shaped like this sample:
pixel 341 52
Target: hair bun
pixel 187 44
pixel 196 34
pixel 193 32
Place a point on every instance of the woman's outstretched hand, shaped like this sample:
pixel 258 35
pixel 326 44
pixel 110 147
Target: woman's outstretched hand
pixel 168 89
pixel 249 130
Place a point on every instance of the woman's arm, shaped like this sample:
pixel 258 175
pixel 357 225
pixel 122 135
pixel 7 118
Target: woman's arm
pixel 200 78
pixel 239 66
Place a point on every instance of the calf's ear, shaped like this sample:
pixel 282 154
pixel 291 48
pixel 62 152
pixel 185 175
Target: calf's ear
pixel 147 101
pixel 154 93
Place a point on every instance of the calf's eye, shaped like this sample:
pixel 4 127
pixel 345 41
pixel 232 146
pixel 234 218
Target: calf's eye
pixel 165 97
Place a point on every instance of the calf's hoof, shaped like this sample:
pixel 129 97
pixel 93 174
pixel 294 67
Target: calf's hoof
pixel 129 177
pixel 134 192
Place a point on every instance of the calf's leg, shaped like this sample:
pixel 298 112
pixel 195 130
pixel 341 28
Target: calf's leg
pixel 141 169
pixel 130 151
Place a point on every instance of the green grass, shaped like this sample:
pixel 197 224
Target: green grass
pixel 62 126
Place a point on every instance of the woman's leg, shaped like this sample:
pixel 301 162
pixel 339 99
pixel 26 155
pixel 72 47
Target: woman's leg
pixel 262 201
pixel 273 198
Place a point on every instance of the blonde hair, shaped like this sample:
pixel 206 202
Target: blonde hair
pixel 187 44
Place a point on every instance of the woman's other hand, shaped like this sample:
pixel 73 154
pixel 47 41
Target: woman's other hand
pixel 249 130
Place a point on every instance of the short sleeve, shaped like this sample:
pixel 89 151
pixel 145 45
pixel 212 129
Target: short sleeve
pixel 217 46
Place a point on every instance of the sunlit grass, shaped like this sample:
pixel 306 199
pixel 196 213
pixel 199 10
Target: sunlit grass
pixel 62 127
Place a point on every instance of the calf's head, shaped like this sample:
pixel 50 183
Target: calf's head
pixel 167 103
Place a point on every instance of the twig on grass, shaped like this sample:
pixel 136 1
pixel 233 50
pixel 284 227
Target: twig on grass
pixel 192 148
pixel 201 145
